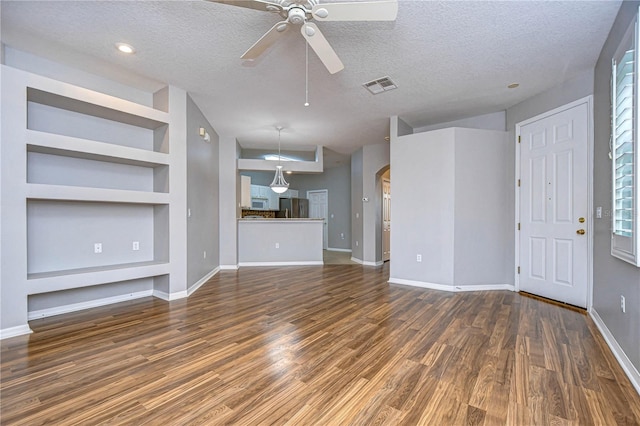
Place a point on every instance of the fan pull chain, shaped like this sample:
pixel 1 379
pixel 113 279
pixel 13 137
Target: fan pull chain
pixel 306 75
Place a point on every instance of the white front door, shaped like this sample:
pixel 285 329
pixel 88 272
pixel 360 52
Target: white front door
pixel 318 209
pixel 386 219
pixel 553 239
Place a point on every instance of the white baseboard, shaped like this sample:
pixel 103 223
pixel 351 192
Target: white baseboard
pixel 366 263
pixel 202 280
pixel 229 267
pixel 297 263
pixel 15 331
pixel 624 361
pixel 484 287
pixel 452 288
pixel 170 296
pixel 339 249
pixel 422 284
pixel 65 309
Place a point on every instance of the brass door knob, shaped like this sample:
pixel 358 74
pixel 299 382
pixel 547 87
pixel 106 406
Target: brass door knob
pixel 581 232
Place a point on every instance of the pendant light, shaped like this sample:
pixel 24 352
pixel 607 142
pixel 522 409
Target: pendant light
pixel 279 185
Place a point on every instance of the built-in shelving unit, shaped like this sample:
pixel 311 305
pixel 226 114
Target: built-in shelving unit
pixel 97 173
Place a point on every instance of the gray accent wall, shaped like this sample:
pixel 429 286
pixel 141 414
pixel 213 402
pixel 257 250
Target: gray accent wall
pixel 336 181
pixel 367 166
pixel 612 277
pixel 229 190
pixel 356 204
pixel 202 197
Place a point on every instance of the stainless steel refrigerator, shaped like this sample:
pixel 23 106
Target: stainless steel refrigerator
pixel 293 208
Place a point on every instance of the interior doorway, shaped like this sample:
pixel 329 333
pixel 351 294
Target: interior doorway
pixel 319 209
pixel 386 219
pixel 554 222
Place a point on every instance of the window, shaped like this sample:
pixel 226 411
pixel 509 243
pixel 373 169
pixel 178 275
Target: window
pixel 625 147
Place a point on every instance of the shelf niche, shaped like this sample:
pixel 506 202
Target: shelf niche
pixel 61 236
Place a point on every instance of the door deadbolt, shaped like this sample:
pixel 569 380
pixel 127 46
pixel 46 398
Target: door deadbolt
pixel 581 220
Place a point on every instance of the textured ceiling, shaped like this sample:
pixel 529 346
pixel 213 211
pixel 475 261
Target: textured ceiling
pixel 450 60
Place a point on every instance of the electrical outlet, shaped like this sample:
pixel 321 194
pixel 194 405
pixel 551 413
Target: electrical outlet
pixel 342 235
pixel 277 245
pixel 135 246
pixel 97 248
pixel 623 304
pixel 418 258
pixel 204 254
pixel 598 212
pixel 356 244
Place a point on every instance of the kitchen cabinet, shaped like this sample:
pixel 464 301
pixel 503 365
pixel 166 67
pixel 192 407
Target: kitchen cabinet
pixel 255 191
pixel 265 193
pixel 274 200
pixel 245 192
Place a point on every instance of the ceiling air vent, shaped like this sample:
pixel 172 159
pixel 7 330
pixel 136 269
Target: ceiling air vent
pixel 380 85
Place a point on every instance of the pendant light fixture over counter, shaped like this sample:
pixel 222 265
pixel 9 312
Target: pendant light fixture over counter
pixel 279 185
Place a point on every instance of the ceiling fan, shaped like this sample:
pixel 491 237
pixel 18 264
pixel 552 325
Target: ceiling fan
pixel 300 12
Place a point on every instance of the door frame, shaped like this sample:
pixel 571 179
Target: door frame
pixel 325 229
pixel 588 100
pixel 383 180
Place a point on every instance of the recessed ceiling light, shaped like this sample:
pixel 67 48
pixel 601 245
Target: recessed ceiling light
pixel 513 85
pixel 125 48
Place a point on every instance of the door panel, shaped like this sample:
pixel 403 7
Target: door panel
pixel 318 209
pixel 553 199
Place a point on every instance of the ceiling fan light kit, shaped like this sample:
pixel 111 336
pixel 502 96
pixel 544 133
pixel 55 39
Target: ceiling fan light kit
pixel 300 12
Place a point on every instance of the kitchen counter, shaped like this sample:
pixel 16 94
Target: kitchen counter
pixel 270 242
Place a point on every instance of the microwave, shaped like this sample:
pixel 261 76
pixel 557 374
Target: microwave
pixel 259 204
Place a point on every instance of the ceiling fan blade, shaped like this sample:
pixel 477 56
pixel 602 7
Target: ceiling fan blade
pixel 266 41
pixel 385 10
pixel 321 46
pixel 252 4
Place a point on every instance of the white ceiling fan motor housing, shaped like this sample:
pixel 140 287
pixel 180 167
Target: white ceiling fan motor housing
pixel 296 15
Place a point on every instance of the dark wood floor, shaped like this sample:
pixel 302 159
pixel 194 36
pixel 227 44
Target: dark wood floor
pixel 332 345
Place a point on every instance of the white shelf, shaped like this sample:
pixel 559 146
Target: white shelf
pixel 84 101
pixel 77 193
pixel 50 143
pixel 46 282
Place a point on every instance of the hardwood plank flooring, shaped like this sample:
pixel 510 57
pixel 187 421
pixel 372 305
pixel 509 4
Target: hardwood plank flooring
pixel 332 345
